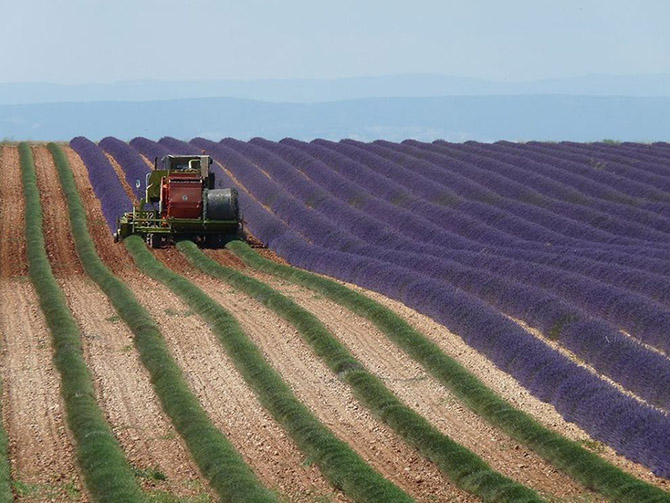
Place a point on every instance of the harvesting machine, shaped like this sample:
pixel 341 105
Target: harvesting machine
pixel 181 202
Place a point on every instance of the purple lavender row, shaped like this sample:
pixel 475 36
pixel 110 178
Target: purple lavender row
pixel 355 157
pixel 545 324
pixel 582 173
pixel 529 207
pixel 657 288
pixel 472 219
pixel 352 159
pixel 317 161
pixel 616 218
pixel 634 163
pixel 659 150
pixel 374 223
pixel 650 158
pixel 523 166
pixel 638 432
pixel 134 166
pixel 179 147
pixel 620 273
pixel 607 161
pixel 544 177
pixel 626 362
pixel 105 182
pixel 567 156
pixel 395 166
pixel 420 219
pixel 575 167
pixel 149 149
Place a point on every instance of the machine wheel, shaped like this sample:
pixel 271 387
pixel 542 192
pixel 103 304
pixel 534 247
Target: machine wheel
pixel 214 240
pixel 153 241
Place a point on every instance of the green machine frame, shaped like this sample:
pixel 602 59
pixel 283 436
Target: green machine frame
pixel 148 222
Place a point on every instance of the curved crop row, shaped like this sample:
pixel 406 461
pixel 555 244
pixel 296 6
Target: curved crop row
pixel 568 456
pixel 563 174
pixel 631 223
pixel 616 167
pixel 575 170
pixel 342 466
pixel 356 159
pixel 413 167
pixel 549 227
pixel 360 186
pixel 606 414
pixel 586 174
pixel 592 165
pixel 225 469
pixel 645 319
pixel 106 472
pixel 644 159
pixel 461 465
pixel 113 199
pixel 361 156
pixel 6 495
pixel 134 166
pixel 149 149
pixel 630 364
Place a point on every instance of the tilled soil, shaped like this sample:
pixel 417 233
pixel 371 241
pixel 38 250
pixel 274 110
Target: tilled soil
pixel 228 400
pixel 507 387
pixel 585 365
pixel 330 399
pixel 119 173
pixel 13 260
pixel 122 384
pixel 497 380
pixel 222 392
pixel 417 389
pixel 114 256
pixel 40 448
pixel 146 435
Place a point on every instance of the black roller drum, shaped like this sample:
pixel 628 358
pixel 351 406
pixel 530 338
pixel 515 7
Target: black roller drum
pixel 221 204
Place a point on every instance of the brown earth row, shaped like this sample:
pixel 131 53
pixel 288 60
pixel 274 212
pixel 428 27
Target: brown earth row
pixel 506 386
pixel 328 397
pixel 41 452
pixel 221 390
pixel 324 393
pixel 123 386
pixel 412 385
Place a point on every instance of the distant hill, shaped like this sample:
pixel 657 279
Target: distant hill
pixel 321 90
pixel 454 118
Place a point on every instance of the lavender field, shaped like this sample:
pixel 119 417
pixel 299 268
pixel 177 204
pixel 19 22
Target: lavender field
pixel 551 259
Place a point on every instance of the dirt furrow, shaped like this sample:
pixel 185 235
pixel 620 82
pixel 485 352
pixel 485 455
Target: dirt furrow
pixel 425 395
pixel 228 400
pixel 582 363
pixel 122 384
pixel 115 257
pixel 119 173
pixel 220 389
pixel 40 448
pixel 506 386
pixel 327 396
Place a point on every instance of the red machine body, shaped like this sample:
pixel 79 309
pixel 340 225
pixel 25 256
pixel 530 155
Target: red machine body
pixel 181 195
pixel 189 205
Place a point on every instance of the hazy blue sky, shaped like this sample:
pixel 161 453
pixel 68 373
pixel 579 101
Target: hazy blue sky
pixel 80 41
